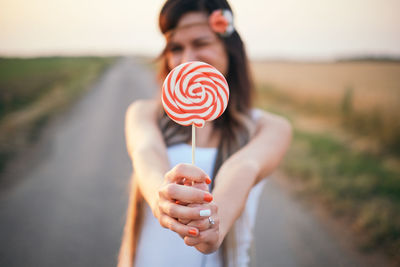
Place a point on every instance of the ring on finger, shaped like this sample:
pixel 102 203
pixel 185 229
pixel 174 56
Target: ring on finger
pixel 211 221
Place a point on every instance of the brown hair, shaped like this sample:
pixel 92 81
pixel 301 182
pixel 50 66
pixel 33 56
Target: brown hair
pixel 234 123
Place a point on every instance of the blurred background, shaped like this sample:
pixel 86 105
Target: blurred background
pixel 69 69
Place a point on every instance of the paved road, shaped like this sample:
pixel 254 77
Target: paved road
pixel 289 234
pixel 68 209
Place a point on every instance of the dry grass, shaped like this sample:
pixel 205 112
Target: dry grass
pixel 365 96
pixel 375 84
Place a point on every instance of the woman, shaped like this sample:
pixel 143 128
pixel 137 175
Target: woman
pixel 234 153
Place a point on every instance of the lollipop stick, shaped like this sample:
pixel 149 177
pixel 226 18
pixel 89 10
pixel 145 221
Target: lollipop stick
pixel 193 143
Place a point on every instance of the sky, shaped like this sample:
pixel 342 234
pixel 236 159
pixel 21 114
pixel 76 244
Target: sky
pixel 284 29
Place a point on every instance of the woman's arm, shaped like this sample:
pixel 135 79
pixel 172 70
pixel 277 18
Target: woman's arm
pixel 157 183
pixel 146 148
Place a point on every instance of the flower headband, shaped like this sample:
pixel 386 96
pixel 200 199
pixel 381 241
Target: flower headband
pixel 220 21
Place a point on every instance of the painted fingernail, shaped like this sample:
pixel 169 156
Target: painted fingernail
pixel 205 213
pixel 193 232
pixel 208 180
pixel 208 197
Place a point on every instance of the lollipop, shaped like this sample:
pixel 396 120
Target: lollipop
pixel 193 93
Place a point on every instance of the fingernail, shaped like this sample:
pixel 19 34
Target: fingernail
pixel 208 180
pixel 208 197
pixel 205 213
pixel 193 232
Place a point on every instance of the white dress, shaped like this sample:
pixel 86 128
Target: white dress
pixel 158 246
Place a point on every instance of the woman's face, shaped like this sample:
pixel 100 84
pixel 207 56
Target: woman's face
pixel 193 40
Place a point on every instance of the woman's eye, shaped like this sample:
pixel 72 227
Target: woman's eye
pixel 201 44
pixel 175 49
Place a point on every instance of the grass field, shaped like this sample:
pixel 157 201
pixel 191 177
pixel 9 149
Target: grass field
pixel 33 89
pixel 364 97
pixel 332 106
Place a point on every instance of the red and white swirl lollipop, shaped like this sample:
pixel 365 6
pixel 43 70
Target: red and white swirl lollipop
pixel 193 93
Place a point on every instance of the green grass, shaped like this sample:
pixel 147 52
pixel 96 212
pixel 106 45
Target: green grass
pixel 22 81
pixel 33 90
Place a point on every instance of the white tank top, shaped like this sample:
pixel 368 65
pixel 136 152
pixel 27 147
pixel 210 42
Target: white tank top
pixel 158 246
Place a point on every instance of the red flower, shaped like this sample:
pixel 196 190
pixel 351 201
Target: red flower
pixel 218 22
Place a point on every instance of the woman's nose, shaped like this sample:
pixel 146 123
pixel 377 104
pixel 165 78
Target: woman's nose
pixel 189 55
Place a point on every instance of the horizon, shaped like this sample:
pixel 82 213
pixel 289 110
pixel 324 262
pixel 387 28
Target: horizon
pixel 350 58
pixel 288 30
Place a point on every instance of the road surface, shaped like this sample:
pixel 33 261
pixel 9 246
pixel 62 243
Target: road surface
pixel 68 208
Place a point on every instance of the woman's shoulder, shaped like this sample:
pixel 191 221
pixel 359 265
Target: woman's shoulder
pixel 267 119
pixel 143 104
pixel 143 107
